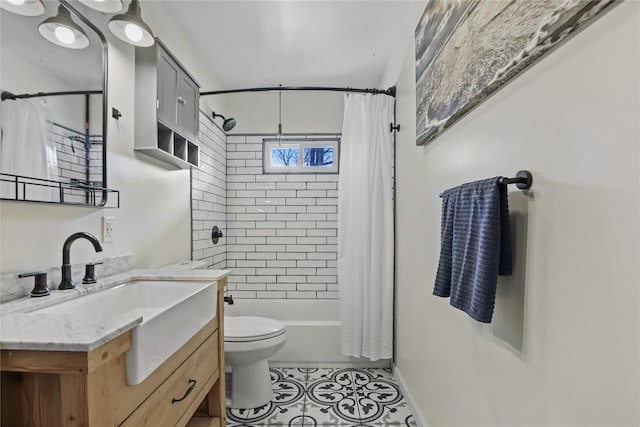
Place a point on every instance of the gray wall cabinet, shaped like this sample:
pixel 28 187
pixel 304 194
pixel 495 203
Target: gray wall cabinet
pixel 167 104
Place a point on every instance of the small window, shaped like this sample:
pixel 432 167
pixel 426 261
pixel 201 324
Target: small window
pixel 318 156
pixel 290 155
pixel 284 156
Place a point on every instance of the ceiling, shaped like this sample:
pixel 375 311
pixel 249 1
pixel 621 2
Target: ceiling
pixel 310 43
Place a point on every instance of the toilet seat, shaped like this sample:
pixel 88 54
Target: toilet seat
pixel 250 328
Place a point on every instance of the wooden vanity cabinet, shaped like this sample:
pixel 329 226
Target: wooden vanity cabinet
pixel 89 389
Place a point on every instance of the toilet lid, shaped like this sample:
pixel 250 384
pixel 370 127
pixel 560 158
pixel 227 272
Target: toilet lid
pixel 249 328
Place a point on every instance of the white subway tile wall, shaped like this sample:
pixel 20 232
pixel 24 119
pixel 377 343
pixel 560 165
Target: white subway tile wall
pixel 209 196
pixel 282 230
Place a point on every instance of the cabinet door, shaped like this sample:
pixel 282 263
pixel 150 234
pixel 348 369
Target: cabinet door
pixel 168 74
pixel 188 99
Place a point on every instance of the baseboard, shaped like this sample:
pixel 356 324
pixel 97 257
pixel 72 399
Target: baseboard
pixel 420 420
pixel 386 363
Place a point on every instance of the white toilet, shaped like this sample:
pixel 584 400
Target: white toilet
pixel 248 343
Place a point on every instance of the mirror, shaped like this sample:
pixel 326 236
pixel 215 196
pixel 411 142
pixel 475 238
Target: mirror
pixel 53 146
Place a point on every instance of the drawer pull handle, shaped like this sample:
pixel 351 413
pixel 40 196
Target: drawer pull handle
pixel 187 393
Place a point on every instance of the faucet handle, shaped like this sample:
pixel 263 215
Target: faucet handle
pixel 40 288
pixel 90 272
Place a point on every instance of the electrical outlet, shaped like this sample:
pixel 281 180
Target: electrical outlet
pixel 108 229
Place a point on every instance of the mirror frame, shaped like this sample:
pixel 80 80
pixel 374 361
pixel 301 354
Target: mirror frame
pixel 105 82
pixel 105 85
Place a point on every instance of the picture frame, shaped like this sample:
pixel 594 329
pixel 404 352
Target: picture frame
pixel 466 50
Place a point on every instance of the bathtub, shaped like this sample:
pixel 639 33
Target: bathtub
pixel 313 330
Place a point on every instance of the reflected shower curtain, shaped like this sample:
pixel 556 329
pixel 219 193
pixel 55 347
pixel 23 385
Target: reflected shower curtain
pixel 365 227
pixel 25 149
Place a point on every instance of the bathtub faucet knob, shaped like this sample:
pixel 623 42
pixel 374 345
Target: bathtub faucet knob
pixel 229 299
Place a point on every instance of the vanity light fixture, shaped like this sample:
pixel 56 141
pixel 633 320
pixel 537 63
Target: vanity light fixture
pixel 61 30
pixel 23 7
pixel 104 6
pixel 130 27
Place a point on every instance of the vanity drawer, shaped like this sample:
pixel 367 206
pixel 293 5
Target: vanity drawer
pixel 169 402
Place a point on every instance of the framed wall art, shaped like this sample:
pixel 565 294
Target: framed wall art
pixel 468 49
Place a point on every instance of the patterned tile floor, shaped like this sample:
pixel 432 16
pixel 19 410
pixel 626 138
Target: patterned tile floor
pixel 328 397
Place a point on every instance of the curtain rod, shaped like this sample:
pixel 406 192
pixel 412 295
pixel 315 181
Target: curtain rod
pixel 8 95
pixel 391 91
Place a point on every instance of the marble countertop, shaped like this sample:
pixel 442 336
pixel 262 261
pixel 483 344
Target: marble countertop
pixel 22 328
pixel 187 265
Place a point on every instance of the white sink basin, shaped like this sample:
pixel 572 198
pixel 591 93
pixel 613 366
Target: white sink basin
pixel 173 311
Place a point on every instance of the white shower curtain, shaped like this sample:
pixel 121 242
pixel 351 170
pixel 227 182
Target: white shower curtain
pixel 25 149
pixel 365 227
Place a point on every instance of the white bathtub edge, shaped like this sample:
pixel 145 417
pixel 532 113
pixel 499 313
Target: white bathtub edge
pixel 312 322
pixel 420 419
pixel 313 332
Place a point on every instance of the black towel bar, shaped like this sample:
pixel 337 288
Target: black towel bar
pixel 522 180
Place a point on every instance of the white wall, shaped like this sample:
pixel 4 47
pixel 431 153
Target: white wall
pixel 564 345
pixel 153 221
pixel 302 112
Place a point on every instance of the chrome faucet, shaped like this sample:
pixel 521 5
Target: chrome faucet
pixel 67 282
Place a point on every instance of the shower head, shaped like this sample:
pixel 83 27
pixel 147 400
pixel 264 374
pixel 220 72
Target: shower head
pixel 228 124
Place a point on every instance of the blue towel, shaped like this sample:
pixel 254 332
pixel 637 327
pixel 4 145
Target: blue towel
pixel 475 246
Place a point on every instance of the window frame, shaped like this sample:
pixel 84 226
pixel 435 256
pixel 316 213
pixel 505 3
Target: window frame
pixel 301 144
